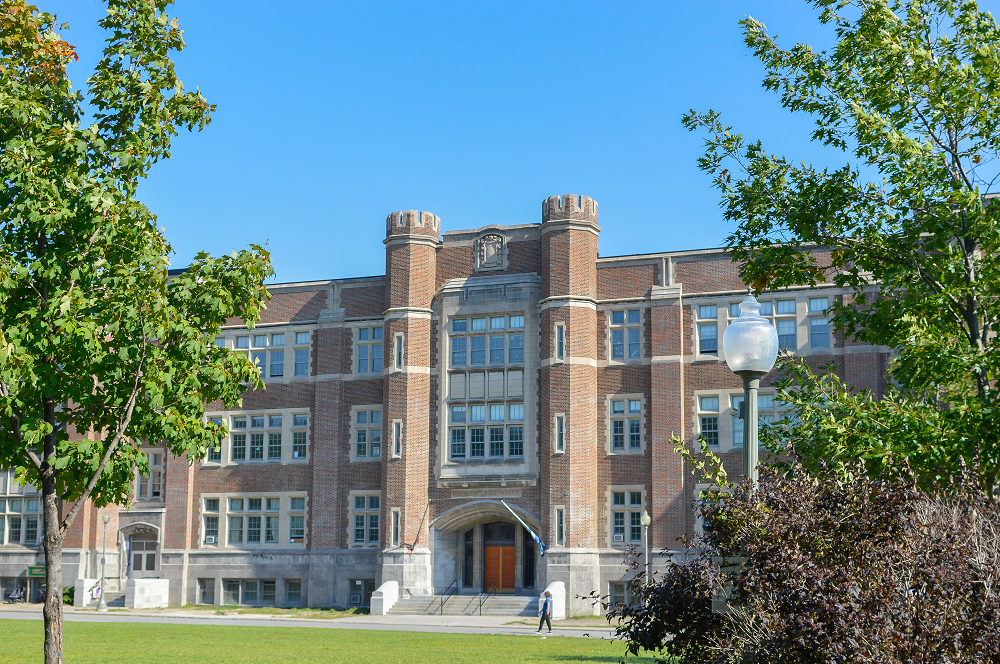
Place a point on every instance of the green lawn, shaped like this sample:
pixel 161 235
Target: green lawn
pixel 125 643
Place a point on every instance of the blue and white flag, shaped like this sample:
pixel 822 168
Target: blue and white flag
pixel 541 544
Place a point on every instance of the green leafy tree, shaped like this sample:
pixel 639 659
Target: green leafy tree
pixel 100 350
pixel 909 93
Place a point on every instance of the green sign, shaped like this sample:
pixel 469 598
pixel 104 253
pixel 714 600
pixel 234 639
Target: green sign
pixel 36 571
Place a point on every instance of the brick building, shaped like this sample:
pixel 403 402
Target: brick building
pixel 502 363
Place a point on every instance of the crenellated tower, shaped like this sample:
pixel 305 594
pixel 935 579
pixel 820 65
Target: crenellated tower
pixel 412 240
pixel 568 383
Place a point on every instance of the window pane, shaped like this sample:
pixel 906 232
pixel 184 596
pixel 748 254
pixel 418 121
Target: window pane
pixel 299 445
pixel 361 443
pixel 235 530
pixel 274 446
pixel 496 349
pixel 635 498
pixel 458 443
pixel 477 346
pixel 710 430
pixel 515 439
pixel 617 317
pixel 235 504
pixel 376 334
pixel 617 344
pixel 363 334
pixel 478 324
pixel 373 502
pixel 253 529
pixel 496 412
pixel 359 528
pixel 496 441
pixel 618 434
pixel 373 528
pixel 458 414
pixel 259 340
pixel 301 338
pixel 634 434
pixel 765 401
pixel 516 322
pixel 617 497
pixel 633 343
pixel 517 348
pixel 300 420
pixel 242 342
pixel 362 359
pixel 786 306
pixel 257 422
pixel 707 311
pixel 819 333
pixel 709 403
pixel 617 406
pixel 819 303
pixel 458 325
pixel 477 413
pixel 375 443
pixel 516 412
pixel 239 423
pixel 496 322
pixel 734 309
pixel 256 446
pixel 301 362
pixel 477 442
pixel 634 406
pixel 274 422
pixel 708 338
pixel 277 339
pixel 633 316
pixel 765 309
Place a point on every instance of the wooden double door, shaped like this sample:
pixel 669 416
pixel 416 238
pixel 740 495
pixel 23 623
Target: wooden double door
pixel 499 568
pixel 499 557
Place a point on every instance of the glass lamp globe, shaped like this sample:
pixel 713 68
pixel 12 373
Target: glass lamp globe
pixel 105 517
pixel 645 519
pixel 750 343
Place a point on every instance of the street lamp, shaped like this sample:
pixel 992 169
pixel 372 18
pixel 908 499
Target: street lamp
pixel 750 345
pixel 101 604
pixel 645 520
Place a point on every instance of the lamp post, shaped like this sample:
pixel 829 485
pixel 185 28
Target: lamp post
pixel 101 604
pixel 645 520
pixel 750 345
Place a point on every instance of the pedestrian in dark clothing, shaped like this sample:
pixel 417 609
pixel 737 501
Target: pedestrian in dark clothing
pixel 545 613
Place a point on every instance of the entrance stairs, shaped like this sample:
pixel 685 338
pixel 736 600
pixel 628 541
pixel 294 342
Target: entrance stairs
pixel 466 605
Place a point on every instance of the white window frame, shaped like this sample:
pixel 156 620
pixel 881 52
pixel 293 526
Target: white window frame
pixel 398 351
pixel 628 508
pixel 144 485
pixel 369 345
pixel 295 348
pixel 559 520
pixel 728 414
pixel 353 512
pixel 397 439
pixel 626 417
pixel 625 328
pixel 369 429
pixel 395 525
pixel 699 322
pixel 559 342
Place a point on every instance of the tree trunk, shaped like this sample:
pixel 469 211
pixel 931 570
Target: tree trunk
pixel 53 543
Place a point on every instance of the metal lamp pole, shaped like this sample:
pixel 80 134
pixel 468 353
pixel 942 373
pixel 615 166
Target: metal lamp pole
pixel 646 520
pixel 750 344
pixel 101 604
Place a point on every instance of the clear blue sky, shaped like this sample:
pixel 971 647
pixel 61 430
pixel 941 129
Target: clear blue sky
pixel 333 114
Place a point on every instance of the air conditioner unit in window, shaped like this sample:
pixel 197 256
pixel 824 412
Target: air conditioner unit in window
pixel 210 539
pixel 619 538
pixel 356 598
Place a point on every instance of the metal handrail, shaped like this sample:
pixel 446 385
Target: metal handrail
pixel 446 595
pixel 483 596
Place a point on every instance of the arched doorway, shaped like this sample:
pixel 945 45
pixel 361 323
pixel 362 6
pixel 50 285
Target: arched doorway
pixel 479 544
pixel 142 550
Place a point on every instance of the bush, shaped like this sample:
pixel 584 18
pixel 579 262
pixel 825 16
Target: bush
pixel 819 568
pixel 69 593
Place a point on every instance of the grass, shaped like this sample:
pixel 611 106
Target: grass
pixel 127 643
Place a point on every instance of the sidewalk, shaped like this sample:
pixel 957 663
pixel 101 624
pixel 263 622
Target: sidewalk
pixel 514 625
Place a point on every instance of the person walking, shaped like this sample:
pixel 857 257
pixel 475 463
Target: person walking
pixel 545 613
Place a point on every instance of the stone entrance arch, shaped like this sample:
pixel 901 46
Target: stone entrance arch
pixel 461 550
pixel 142 550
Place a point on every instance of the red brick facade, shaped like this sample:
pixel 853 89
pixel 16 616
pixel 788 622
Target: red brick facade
pixel 631 336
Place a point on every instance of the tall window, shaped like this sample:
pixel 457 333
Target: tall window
pixel 399 351
pixel 819 327
pixel 300 422
pixel 367 432
pixel 560 433
pixel 238 438
pixel 397 439
pixel 296 520
pixel 150 487
pixel 560 526
pixel 370 350
pixel 626 423
pixel 301 353
pixel 485 410
pixel 365 515
pixel 626 334
pixel 626 515
pixel 708 409
pixel 708 331
pixel 20 512
pixel 214 454
pixel 274 437
pixel 560 341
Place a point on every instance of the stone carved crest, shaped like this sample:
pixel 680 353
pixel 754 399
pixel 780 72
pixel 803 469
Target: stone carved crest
pixel 490 252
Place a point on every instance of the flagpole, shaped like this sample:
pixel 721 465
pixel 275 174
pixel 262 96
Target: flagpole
pixel 526 526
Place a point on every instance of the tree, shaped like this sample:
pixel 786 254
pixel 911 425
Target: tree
pixel 825 566
pixel 909 94
pixel 100 349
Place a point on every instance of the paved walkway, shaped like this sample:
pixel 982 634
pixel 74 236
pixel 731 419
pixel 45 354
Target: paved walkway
pixel 444 624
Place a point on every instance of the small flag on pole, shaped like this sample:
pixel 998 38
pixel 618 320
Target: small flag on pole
pixel 541 544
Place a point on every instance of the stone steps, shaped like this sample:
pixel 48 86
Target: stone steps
pixel 466 605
